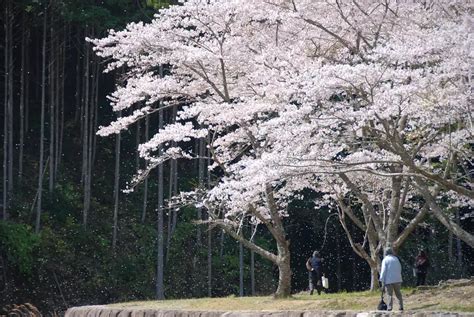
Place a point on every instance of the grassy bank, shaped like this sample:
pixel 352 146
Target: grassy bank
pixel 453 298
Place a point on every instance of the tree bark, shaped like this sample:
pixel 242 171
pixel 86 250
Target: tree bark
pixel 43 105
pixel 10 104
pixel 201 166
pixel 284 271
pixel 252 273
pixel 145 185
pixel 61 100
pixel 116 188
pixel 209 227
pixel 5 118
pixel 85 139
pixel 22 99
pixel 52 106
pixel 241 269
pixel 451 225
pixel 160 241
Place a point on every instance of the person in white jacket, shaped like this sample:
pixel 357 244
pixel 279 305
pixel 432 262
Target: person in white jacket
pixel 391 277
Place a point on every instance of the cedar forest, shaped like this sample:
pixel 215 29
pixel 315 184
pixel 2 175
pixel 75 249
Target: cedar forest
pixel 175 149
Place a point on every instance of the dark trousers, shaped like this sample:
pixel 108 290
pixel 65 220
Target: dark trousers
pixel 315 282
pixel 420 278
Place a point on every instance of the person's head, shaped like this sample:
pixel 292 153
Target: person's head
pixel 316 254
pixel 422 253
pixel 388 251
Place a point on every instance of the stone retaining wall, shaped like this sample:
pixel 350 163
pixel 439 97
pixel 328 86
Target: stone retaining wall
pixel 105 311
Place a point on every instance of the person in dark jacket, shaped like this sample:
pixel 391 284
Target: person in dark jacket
pixel 315 271
pixel 422 264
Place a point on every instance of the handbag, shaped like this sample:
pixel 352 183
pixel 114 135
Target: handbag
pixel 325 282
pixel 382 305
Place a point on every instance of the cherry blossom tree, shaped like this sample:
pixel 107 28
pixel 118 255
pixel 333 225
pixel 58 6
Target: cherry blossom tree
pixel 368 102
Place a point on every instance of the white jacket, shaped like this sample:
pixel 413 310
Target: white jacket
pixel 391 270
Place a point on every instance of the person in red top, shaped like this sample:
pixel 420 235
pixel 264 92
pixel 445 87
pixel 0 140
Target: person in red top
pixel 421 267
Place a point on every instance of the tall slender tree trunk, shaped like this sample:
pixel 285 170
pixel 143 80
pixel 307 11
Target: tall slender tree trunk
pixel 252 268
pixel 221 245
pixel 241 269
pixel 10 71
pixel 61 99
pixel 85 138
pixel 58 79
pixel 173 176
pixel 52 108
pixel 450 246
pixel 338 264
pixel 95 114
pixel 43 105
pixel 5 119
pixel 209 230
pixel 458 241
pixel 137 140
pixel 22 99
pixel 201 166
pixel 27 80
pixel 116 188
pixel 160 241
pixel 145 185
pixel 77 94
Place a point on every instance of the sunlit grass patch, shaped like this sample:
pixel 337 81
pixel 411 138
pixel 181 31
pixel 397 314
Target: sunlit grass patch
pixel 455 299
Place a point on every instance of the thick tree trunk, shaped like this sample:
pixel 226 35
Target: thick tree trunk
pixel 374 278
pixel 284 271
pixel 281 259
